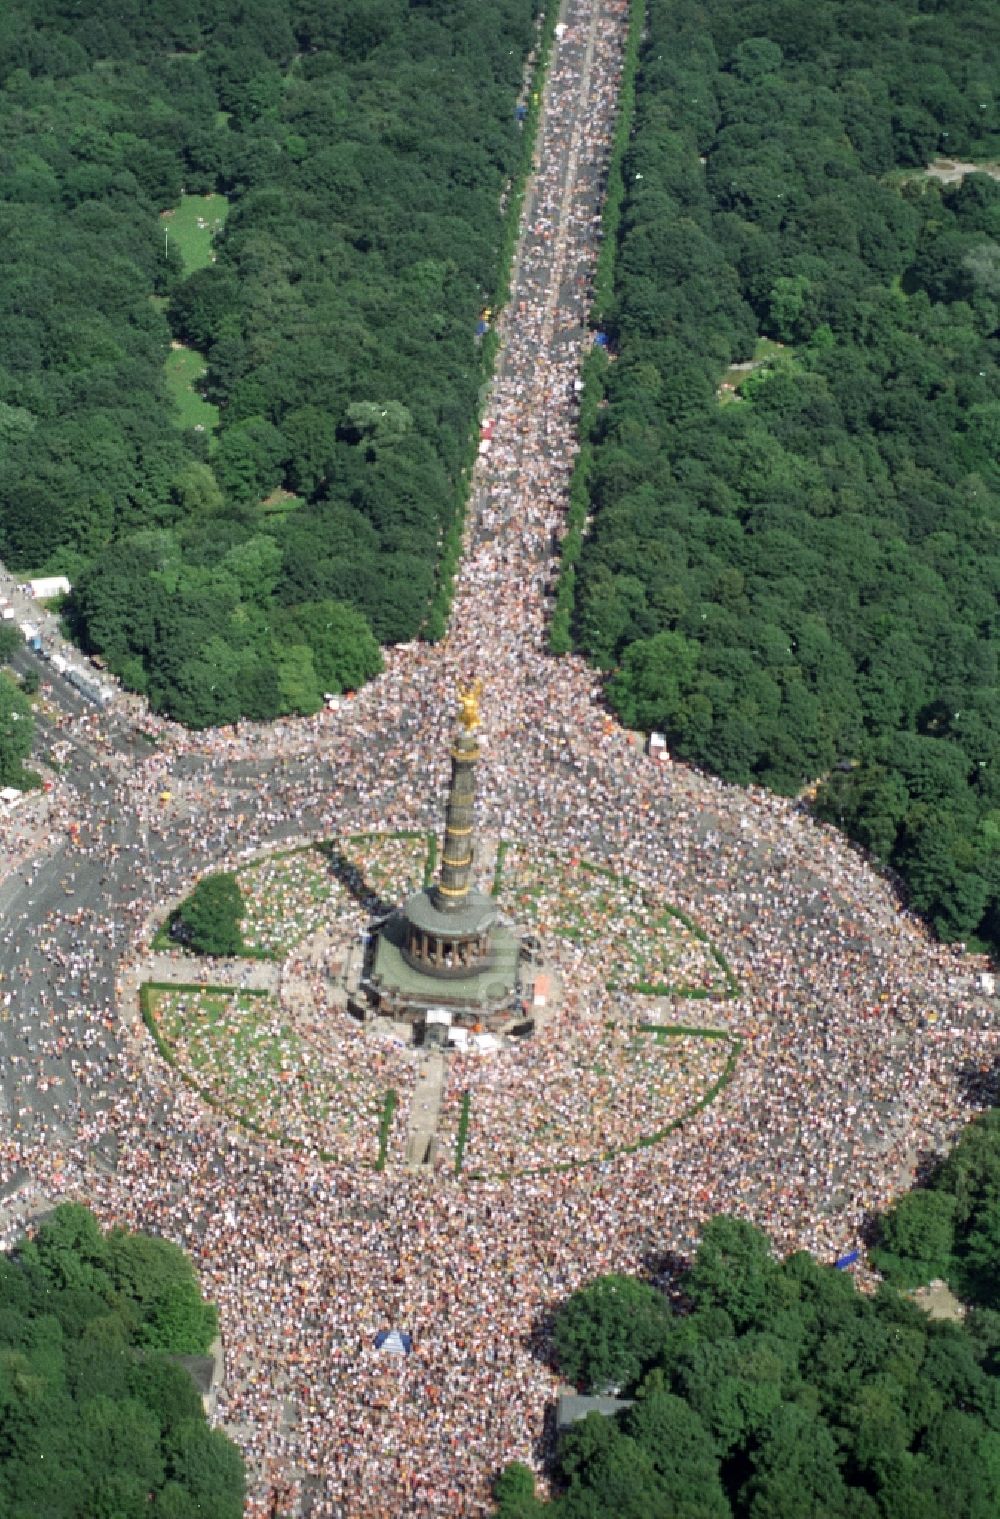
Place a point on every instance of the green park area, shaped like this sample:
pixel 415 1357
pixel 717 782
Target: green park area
pixel 390 865
pixel 269 906
pixel 285 1077
pixel 768 355
pixel 191 227
pixel 640 942
pixel 636 940
pixel 624 1087
pixel 279 502
pixel 295 1067
pixel 288 897
pixel 183 368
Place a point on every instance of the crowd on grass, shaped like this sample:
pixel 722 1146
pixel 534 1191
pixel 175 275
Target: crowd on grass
pixel 582 1092
pixel 592 1083
pixel 862 1042
pixel 630 935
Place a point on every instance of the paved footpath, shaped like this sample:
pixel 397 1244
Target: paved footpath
pixel 425 1109
pixel 249 975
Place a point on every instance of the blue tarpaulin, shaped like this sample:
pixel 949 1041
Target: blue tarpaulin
pixel 521 112
pixel 601 339
pixel 395 1341
pixel 847 1260
pixel 482 327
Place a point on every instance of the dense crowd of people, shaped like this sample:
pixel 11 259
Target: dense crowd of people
pixel 278 1050
pixel 628 936
pixel 863 1042
pixel 585 1090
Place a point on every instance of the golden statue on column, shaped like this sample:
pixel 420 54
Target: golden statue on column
pixel 468 704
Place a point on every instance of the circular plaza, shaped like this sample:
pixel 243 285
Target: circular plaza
pixel 624 1030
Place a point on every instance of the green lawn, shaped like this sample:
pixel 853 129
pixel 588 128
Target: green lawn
pixel 662 954
pixel 183 367
pixel 280 501
pixel 191 226
pixel 766 353
pixel 242 1052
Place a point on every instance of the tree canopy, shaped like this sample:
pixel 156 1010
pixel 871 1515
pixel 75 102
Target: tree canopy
pixel 791 567
pixel 95 1419
pixel 951 1227
pixel 364 152
pixel 209 920
pixel 777 1390
pixel 17 731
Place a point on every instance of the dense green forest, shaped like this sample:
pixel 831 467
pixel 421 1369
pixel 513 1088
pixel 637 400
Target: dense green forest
pixel 364 150
pixel 792 566
pixel 773 1391
pixel 96 1420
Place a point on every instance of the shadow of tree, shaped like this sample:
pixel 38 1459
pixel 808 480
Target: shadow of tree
pixel 666 1270
pixel 538 1341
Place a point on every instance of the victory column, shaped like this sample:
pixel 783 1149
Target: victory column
pixel 445 946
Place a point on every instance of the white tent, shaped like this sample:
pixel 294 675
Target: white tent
pixel 48 586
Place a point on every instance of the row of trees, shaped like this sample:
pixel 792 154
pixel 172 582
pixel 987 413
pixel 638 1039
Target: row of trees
pixel 364 150
pixel 96 1420
pixel 17 721
pixel 777 1390
pixel 792 569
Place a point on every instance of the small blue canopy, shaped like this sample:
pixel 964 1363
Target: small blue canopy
pixel 601 339
pixel 481 327
pixel 521 112
pixel 395 1341
pixel 847 1260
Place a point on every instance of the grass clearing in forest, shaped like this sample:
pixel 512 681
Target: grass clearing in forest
pixel 281 501
pixel 191 228
pixel 183 368
pixel 766 353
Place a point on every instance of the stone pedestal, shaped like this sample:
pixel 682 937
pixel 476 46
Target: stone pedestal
pixel 448 943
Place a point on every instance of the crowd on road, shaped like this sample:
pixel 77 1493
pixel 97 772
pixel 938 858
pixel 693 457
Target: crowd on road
pixel 863 1042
